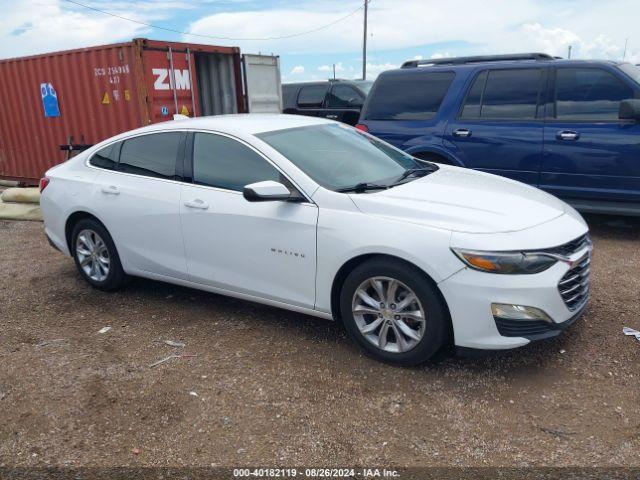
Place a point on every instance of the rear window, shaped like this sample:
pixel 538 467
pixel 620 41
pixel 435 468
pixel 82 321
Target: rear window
pixel 151 155
pixel 504 94
pixel 106 157
pixel 312 95
pixel 408 97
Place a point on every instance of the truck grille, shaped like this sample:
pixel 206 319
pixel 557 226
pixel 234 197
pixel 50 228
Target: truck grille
pixel 574 285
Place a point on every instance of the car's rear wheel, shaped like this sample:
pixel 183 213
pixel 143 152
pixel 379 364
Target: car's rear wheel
pixel 96 256
pixel 394 312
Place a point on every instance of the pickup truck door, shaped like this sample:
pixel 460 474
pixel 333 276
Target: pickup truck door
pixel 343 103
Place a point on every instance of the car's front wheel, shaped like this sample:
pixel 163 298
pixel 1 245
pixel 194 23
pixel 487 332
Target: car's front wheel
pixel 394 312
pixel 96 256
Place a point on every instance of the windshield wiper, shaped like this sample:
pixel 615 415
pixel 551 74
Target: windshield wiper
pixel 417 171
pixel 362 187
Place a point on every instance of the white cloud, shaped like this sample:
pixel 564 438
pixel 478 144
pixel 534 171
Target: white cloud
pixel 440 55
pixel 297 70
pixel 375 69
pixel 594 28
pixel 329 68
pixel 36 26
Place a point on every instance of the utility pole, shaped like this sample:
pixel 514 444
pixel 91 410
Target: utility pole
pixel 334 71
pixel 624 54
pixel 364 43
pixel 569 55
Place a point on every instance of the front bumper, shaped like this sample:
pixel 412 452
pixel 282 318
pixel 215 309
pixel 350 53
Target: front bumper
pixel 470 293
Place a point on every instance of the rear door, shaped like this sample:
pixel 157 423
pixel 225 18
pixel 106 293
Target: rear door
pixel 138 200
pixel 310 100
pixel 499 128
pixel 343 103
pixel 589 153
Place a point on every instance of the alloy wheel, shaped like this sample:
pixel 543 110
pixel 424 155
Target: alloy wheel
pixel 93 255
pixel 388 314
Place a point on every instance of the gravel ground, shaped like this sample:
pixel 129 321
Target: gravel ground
pixel 272 387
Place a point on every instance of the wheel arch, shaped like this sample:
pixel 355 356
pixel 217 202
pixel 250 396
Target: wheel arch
pixel 72 220
pixel 349 265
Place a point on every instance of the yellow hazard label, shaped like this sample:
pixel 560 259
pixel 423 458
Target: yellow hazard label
pixel 105 99
pixel 184 111
pixel 127 95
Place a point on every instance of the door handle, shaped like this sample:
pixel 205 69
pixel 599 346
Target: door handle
pixel 332 117
pixel 567 135
pixel 197 204
pixel 462 133
pixel 110 190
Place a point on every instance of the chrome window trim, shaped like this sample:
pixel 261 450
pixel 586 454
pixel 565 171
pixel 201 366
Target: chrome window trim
pixel 182 182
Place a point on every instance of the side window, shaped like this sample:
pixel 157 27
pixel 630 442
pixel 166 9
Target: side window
pixel 589 94
pixel 151 155
pixel 408 96
pixel 473 101
pixel 343 96
pixel 106 157
pixel 511 94
pixel 226 163
pixel 312 96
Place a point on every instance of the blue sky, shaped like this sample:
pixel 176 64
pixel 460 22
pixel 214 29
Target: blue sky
pixel 398 29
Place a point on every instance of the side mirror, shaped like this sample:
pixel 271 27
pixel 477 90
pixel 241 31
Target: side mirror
pixel 629 110
pixel 266 191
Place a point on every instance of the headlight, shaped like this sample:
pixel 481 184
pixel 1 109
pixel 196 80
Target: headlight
pixel 505 262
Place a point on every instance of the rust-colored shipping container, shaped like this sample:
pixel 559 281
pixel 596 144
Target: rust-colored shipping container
pixel 83 96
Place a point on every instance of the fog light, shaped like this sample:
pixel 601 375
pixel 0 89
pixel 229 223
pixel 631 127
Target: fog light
pixel 518 312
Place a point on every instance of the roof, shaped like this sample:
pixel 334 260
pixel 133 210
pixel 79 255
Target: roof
pixel 416 70
pixel 241 124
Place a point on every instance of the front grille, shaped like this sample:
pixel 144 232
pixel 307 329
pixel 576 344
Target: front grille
pixel 574 285
pixel 571 247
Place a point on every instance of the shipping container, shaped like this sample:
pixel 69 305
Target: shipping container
pixel 57 102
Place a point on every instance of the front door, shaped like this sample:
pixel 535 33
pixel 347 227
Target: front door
pixel 343 104
pixel 589 153
pixel 264 249
pixel 499 128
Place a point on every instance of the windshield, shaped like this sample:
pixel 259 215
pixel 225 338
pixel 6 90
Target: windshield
pixel 338 156
pixel 364 85
pixel 632 70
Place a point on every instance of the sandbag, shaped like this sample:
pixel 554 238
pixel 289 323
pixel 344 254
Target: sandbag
pixel 20 211
pixel 8 183
pixel 21 195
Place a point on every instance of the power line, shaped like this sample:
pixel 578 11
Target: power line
pixel 213 36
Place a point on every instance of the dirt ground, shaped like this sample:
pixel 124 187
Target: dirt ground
pixel 272 387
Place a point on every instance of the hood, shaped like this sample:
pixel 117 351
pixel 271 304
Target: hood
pixel 463 200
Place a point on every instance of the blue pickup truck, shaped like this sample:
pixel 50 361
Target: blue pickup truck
pixel 570 127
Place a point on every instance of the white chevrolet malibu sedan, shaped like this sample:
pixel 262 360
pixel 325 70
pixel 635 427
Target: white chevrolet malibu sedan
pixel 317 217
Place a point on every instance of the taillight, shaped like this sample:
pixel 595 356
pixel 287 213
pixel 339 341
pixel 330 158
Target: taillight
pixel 44 181
pixel 362 127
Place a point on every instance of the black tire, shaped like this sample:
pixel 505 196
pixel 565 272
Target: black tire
pixel 115 277
pixel 436 317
